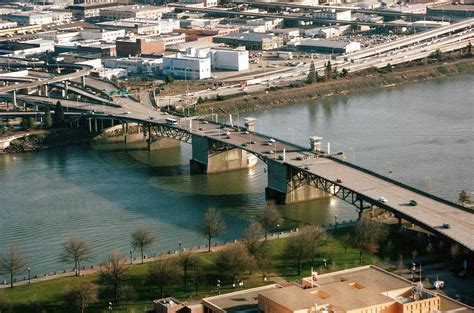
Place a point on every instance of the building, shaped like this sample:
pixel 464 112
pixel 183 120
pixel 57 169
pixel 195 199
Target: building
pixel 366 289
pixel 252 41
pixel 136 65
pixel 229 59
pixel 61 16
pixel 200 3
pixel 187 67
pixel 143 26
pixel 333 14
pixel 325 32
pixel 7 24
pixel 31 18
pixel 327 46
pixel 136 46
pixel 26 48
pixel 452 11
pixel 88 11
pixel 132 11
pixel 104 35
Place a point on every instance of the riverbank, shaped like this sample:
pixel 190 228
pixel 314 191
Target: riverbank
pixel 354 83
pixel 48 139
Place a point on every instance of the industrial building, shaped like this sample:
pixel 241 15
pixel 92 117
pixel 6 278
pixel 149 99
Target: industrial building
pixel 139 46
pixel 327 46
pixel 252 41
pixel 229 59
pixel 187 67
pixel 143 26
pixel 30 18
pixel 89 11
pixel 136 65
pixel 452 11
pixel 333 14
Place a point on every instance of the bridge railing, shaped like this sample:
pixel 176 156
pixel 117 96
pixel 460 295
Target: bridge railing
pixel 400 184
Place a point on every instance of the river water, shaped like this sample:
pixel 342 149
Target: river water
pixel 423 132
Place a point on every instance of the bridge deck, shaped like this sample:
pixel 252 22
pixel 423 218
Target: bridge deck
pixel 429 213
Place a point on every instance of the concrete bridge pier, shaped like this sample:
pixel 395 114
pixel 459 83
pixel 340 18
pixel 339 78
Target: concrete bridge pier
pixel 83 82
pixel 205 160
pixel 284 186
pixel 66 89
pixel 89 122
pixel 14 99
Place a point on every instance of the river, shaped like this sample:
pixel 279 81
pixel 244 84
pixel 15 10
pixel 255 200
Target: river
pixel 422 132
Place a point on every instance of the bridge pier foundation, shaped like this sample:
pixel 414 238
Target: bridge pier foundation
pixel 14 99
pixel 285 187
pixel 206 159
pixel 95 125
pixel 89 121
pixel 83 82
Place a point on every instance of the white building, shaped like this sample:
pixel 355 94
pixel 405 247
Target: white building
pixel 61 16
pixel 136 65
pixel 31 18
pixel 188 67
pixel 101 34
pixel 332 14
pixel 133 11
pixel 229 59
pixel 7 24
pixel 60 37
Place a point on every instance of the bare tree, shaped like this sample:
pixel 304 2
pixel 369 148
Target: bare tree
pixel 126 293
pixel 211 226
pixel 346 241
pixel 12 263
pixel 76 249
pixel 251 238
pixel 162 274
pixel 296 248
pixel 114 271
pixel 187 261
pixel 80 294
pixel 314 236
pixel 234 260
pixel 269 219
pixel 367 235
pixel 142 238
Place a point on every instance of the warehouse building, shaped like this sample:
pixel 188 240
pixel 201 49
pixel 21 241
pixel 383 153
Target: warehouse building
pixel 328 46
pixel 132 11
pixel 139 46
pixel 252 41
pixel 30 18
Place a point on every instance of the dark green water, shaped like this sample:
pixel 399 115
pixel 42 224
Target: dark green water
pixel 423 130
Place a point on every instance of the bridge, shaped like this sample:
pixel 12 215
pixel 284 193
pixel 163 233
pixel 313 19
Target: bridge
pixel 295 173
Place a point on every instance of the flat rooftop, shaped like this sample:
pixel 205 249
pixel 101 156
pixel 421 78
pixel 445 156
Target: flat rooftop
pixel 240 301
pixel 459 7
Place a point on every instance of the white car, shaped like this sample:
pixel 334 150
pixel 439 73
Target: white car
pixel 383 200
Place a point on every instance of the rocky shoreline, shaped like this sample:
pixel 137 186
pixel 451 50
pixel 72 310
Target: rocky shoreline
pixel 48 139
pixel 358 82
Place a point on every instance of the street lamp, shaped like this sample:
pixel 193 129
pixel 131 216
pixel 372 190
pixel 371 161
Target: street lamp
pixel 185 80
pixel 353 154
pixel 335 221
pixel 325 262
pixel 429 183
pixel 131 257
pixel 278 229
pixel 110 307
pixel 241 284
pixel 29 274
pixel 179 247
pixel 219 286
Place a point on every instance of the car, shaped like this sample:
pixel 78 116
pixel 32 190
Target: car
pixel 200 128
pixel 227 133
pixel 306 167
pixel 205 122
pixel 243 144
pixel 446 226
pixel 245 132
pixel 151 118
pixel 252 142
pixel 269 151
pixel 383 200
pixel 271 140
pixel 126 112
pixel 227 137
pixel 339 181
pixel 280 157
pixel 221 126
pixel 413 203
pixel 299 158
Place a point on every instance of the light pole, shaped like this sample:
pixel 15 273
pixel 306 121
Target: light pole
pixel 110 307
pixel 219 286
pixel 179 247
pixel 185 81
pixel 429 183
pixel 335 221
pixel 353 154
pixel 241 284
pixel 131 257
pixel 389 167
pixel 29 274
pixel 278 230
pixel 325 262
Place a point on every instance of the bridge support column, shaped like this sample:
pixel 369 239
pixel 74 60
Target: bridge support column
pixel 206 161
pixel 66 89
pixel 83 82
pixel 14 99
pixel 89 121
pixel 95 125
pixel 284 185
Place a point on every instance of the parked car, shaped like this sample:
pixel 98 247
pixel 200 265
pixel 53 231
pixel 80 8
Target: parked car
pixel 339 181
pixel 413 203
pixel 446 226
pixel 383 200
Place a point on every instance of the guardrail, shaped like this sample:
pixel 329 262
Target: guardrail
pixel 400 184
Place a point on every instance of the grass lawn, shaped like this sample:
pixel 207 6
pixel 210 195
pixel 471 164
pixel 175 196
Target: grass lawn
pixel 48 294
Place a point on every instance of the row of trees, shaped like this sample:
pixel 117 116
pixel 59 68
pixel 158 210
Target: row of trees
pixel 329 73
pixel 56 120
